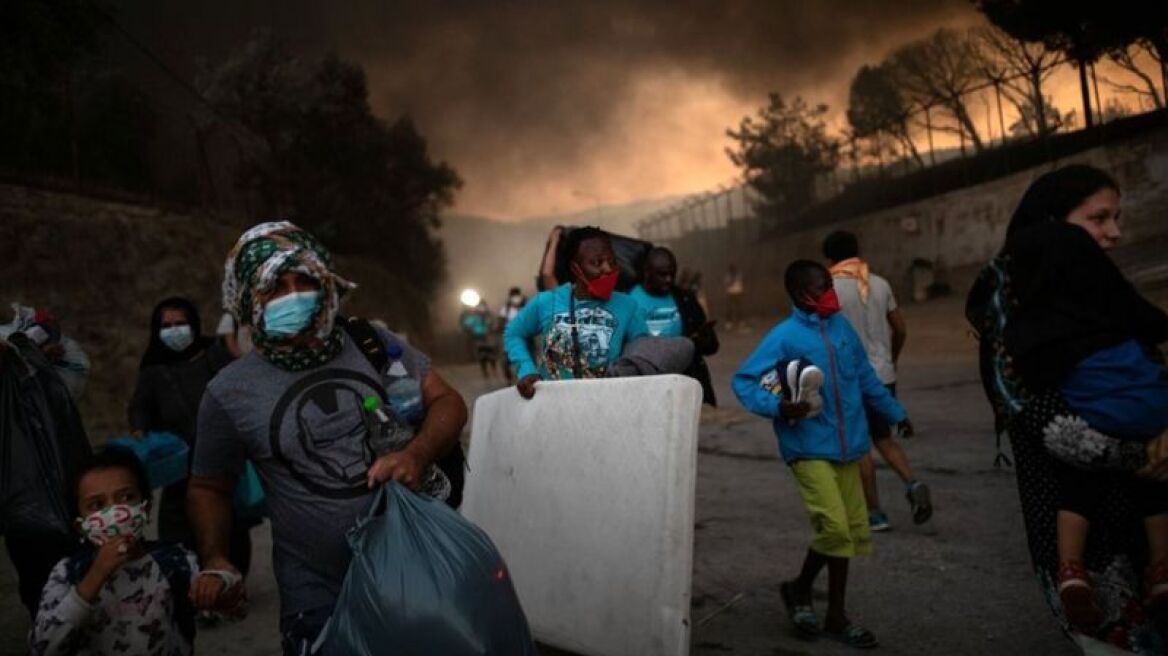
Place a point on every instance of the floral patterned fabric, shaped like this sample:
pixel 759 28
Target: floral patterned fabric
pixel 259 258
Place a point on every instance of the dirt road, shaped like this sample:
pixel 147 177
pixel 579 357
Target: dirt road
pixel 959 585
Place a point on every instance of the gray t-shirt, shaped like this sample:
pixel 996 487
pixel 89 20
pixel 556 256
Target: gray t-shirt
pixel 871 320
pixel 310 440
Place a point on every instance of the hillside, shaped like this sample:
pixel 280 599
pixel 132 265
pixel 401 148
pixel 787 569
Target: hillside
pixel 101 266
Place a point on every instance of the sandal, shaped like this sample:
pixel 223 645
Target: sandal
pixel 1078 598
pixel 855 636
pixel 801 615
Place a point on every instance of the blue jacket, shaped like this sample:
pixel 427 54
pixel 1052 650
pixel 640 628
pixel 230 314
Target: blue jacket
pixel 603 329
pixel 840 432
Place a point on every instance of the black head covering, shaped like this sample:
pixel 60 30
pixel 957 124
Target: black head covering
pixel 1053 196
pixel 159 353
pixel 1069 298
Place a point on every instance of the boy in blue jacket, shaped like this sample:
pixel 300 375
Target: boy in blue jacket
pixel 823 449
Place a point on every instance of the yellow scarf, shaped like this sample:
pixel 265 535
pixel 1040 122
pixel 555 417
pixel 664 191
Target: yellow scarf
pixel 856 269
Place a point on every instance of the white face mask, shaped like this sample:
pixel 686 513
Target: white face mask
pixel 177 338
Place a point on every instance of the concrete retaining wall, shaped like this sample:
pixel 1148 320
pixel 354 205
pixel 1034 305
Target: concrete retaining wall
pixel 957 231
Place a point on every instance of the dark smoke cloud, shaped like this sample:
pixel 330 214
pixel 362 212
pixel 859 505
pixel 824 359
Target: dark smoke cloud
pixel 553 105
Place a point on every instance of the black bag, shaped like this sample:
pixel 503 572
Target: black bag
pixel 42 443
pixel 630 257
pixel 368 341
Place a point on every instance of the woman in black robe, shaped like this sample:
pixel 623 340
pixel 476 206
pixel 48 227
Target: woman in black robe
pixel 1048 299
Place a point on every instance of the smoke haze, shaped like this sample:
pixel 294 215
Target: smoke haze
pixel 548 107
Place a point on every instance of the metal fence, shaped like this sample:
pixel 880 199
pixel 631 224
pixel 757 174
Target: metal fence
pixel 865 169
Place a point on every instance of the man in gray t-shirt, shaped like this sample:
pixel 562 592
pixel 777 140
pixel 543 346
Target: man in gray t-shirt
pixel 307 434
pixel 866 300
pixel 296 407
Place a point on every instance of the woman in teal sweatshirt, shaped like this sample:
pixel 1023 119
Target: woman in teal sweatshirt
pixel 580 327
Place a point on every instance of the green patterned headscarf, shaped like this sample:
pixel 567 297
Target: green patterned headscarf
pixel 259 258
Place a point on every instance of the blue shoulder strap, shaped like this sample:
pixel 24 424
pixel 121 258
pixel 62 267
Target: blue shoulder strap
pixel 176 569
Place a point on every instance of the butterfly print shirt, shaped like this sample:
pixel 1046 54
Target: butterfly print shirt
pixel 133 614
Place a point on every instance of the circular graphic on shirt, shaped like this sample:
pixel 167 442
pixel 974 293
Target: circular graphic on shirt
pixel 320 431
pixel 594 329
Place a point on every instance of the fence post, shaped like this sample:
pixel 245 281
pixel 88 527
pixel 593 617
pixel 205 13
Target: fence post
pixel 929 132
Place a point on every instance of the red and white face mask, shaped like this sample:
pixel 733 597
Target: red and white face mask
pixel 103 525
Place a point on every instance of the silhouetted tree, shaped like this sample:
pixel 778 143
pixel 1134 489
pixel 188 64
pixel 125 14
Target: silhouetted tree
pixel 1147 24
pixel 1083 31
pixel 1127 58
pixel 41 45
pixel 1114 109
pixel 1018 70
pixel 115 127
pixel 1027 123
pixel 359 184
pixel 937 72
pixel 876 108
pixel 782 151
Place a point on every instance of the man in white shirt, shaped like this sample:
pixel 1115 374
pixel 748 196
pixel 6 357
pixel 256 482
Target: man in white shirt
pixel 867 301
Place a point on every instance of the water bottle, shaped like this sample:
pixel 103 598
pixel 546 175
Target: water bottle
pixel 390 433
pixel 401 416
pixel 403 392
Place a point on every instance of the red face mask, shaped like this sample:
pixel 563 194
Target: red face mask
pixel 826 305
pixel 602 286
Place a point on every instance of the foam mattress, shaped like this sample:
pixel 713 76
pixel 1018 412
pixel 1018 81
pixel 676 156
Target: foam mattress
pixel 588 491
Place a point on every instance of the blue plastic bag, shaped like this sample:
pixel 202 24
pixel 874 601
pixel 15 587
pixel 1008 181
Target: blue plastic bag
pixel 165 456
pixel 250 502
pixel 424 581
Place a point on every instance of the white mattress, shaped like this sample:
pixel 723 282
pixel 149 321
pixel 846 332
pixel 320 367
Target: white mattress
pixel 588 491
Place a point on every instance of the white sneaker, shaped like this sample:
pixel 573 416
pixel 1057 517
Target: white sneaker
pixel 810 381
pixel 801 382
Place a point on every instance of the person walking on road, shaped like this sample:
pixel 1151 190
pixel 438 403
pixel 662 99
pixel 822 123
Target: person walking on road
pixel 583 326
pixel 735 288
pixel 674 311
pixel 515 302
pixel 478 325
pixel 117 593
pixel 175 369
pixel 1069 363
pixel 44 444
pixel 867 301
pixel 298 408
pixel 822 435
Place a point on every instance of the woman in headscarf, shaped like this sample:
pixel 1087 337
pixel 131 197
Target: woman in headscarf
pixel 1049 300
pixel 175 369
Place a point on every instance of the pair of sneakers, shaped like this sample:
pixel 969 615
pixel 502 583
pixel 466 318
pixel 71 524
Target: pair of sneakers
pixel 796 381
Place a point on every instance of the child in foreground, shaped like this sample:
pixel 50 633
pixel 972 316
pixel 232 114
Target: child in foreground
pixel 119 594
pixel 822 446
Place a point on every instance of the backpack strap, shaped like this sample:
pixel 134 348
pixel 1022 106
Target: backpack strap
pixel 176 569
pixel 365 336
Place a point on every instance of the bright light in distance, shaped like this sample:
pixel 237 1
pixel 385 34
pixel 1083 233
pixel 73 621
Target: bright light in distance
pixel 469 297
